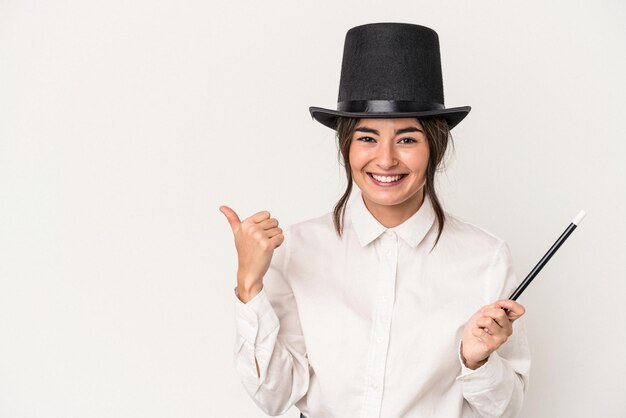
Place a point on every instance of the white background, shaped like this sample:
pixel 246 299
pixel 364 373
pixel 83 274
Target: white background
pixel 124 125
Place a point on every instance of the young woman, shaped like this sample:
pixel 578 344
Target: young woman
pixel 388 306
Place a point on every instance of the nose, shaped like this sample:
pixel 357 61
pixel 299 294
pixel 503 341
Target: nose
pixel 385 156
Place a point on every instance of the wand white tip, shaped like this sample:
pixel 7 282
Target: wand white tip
pixel 579 217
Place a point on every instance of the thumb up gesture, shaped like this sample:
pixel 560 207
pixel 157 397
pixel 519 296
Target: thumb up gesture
pixel 256 238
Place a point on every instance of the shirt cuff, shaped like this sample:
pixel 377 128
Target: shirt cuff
pixel 256 319
pixel 487 376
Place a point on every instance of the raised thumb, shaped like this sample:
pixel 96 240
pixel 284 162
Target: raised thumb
pixel 232 217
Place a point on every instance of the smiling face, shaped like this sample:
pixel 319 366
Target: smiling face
pixel 388 160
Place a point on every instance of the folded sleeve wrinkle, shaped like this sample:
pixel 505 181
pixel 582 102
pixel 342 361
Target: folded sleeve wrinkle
pixel 497 388
pixel 502 276
pixel 268 329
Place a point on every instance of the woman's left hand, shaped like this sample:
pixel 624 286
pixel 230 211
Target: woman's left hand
pixel 487 330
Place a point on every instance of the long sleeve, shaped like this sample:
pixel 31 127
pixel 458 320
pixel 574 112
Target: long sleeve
pixel 369 324
pixel 497 388
pixel 268 329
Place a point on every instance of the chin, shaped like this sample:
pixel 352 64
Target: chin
pixel 391 198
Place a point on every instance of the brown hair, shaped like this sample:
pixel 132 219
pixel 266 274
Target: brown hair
pixel 438 136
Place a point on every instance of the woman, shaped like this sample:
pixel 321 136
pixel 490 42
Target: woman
pixel 388 306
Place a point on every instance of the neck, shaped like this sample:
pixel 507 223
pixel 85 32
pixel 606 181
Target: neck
pixel 391 216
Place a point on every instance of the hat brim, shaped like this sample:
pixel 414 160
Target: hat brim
pixel 328 117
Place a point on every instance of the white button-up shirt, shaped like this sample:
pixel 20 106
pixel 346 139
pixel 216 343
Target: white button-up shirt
pixel 369 325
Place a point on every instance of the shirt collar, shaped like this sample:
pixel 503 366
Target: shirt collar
pixel 412 231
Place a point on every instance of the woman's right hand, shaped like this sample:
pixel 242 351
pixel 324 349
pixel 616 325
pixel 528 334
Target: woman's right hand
pixel 256 238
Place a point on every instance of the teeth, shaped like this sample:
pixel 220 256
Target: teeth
pixel 386 179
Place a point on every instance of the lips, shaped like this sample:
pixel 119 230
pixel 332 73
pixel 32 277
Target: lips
pixel 386 180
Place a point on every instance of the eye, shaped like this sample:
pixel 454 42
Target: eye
pixel 366 139
pixel 407 140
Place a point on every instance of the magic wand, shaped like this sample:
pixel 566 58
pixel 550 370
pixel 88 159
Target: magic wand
pixel 548 255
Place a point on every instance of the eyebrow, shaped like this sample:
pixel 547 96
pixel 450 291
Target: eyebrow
pixel 398 131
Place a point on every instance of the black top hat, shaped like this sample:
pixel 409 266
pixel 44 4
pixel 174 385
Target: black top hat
pixel 390 70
